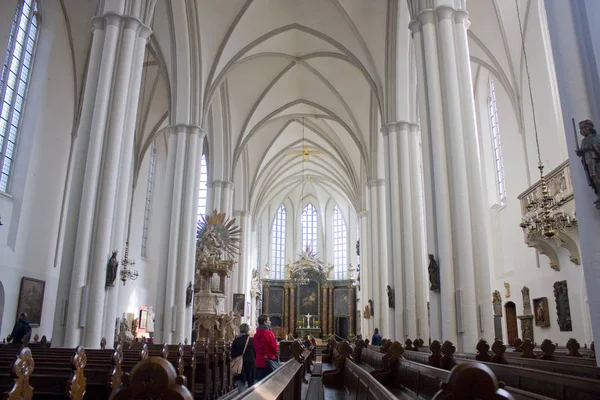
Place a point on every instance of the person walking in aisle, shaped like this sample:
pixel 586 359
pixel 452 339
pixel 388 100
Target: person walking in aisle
pixel 376 339
pixel 243 346
pixel 265 347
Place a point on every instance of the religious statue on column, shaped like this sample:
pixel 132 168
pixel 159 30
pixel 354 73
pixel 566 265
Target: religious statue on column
pixel 112 268
pixel 189 295
pixel 434 274
pixel 589 151
pixel 391 297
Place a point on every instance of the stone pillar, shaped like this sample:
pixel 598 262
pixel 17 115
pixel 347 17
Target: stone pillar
pixel 366 270
pixel 573 33
pixel 185 156
pixel 396 265
pixel 238 282
pixel 113 75
pixel 286 311
pixel 418 234
pixel 378 247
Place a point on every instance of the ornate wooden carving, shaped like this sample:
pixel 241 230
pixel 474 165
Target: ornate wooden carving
pixel 328 353
pixel 153 378
pixel 358 348
pixel 164 352
pixel 408 345
pixel 573 346
pixel 103 343
pixel 115 376
pixel 499 349
pixel 180 359
pixel 435 359
pixel 563 310
pixel 518 343
pixel 418 343
pixel 470 381
pixel 21 371
pixel 548 348
pixel 390 361
pixel 448 351
pixel 345 353
pixel 483 351
pixel 593 348
pixel 77 382
pixel 527 347
pixel 144 352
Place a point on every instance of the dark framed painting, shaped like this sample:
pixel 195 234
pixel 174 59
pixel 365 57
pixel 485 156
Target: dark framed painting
pixel 143 319
pixel 340 302
pixel 308 299
pixel 276 300
pixel 239 303
pixel 31 300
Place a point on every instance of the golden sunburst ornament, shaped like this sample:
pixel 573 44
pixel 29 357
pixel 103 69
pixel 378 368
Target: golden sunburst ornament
pixel 223 229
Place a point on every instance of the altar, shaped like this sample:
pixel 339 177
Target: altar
pixel 304 332
pixel 307 302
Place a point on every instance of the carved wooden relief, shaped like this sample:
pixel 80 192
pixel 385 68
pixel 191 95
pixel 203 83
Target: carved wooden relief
pixel 541 312
pixel 563 310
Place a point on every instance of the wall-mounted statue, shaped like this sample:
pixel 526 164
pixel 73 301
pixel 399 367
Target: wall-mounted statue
pixel 526 301
pixel 367 313
pixel 497 302
pixel 434 274
pixel 358 247
pixel 391 297
pixel 112 269
pixel 589 151
pixel 189 295
pixel 371 310
pixel 507 289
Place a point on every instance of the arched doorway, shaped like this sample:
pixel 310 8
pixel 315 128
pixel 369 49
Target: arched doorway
pixel 512 329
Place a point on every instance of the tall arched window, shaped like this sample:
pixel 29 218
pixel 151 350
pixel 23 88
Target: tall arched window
pixel 202 193
pixel 151 168
pixel 13 81
pixel 278 244
pixel 501 183
pixel 309 227
pixel 340 245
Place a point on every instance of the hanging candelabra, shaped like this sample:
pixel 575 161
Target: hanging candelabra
pixel 128 270
pixel 543 216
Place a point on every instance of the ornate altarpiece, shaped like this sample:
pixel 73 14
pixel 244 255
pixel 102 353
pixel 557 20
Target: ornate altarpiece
pixel 330 303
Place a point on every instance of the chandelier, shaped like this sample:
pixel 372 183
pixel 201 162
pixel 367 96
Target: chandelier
pixel 541 219
pixel 128 270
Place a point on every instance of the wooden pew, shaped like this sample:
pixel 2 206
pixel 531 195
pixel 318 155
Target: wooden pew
pixel 530 381
pixel 283 384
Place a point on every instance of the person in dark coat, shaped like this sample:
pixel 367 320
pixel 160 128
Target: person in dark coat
pixel 20 330
pixel 237 348
pixel 376 339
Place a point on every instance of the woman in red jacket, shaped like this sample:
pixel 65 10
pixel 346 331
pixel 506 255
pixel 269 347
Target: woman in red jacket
pixel 265 348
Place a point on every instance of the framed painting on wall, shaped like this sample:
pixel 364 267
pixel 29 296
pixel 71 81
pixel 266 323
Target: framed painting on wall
pixel 541 312
pixel 143 318
pixel 239 303
pixel 31 300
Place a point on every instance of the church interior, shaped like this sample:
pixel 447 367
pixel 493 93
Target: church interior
pixel 171 169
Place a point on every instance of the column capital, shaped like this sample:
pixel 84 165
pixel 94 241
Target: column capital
pixel 375 183
pixel 222 184
pixel 426 17
pixel 241 213
pixel 398 126
pixel 363 213
pixel 445 12
pixel 415 25
pixel 184 128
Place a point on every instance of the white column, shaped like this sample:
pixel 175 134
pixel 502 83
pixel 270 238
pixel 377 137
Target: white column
pixel 182 230
pixel 418 234
pixel 366 271
pixel 394 223
pixel 122 218
pixel 72 277
pixel 479 215
pixel 570 40
pixel 440 244
pixel 238 277
pixel 378 253
pixel 408 286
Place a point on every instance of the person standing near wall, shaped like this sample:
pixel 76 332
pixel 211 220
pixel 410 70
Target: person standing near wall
pixel 265 347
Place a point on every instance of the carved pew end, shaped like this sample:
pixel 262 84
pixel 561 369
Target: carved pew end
pixel 472 381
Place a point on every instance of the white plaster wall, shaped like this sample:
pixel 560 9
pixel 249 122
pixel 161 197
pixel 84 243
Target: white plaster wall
pixel 31 210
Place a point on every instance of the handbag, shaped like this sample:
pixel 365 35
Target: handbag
pixel 238 362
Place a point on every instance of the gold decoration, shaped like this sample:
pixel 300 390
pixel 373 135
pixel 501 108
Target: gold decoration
pixel 507 287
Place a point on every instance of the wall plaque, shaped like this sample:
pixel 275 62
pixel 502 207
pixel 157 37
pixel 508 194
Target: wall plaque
pixel 563 310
